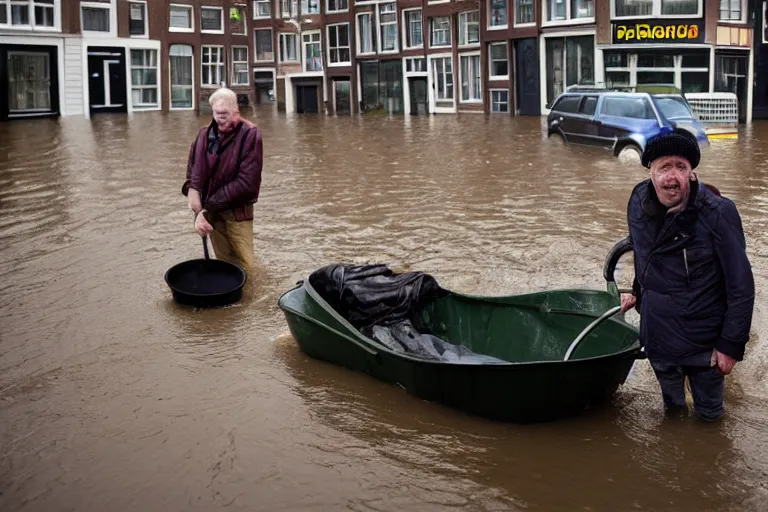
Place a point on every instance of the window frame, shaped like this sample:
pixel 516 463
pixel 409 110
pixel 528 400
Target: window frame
pixel 491 102
pixel 255 49
pixel 407 28
pixel 491 76
pixel 742 20
pixel 220 65
pixel 328 10
pixel 449 31
pixel 32 25
pixel 471 101
pixel 569 19
pixel 145 35
pixel 247 63
pixel 303 55
pixel 109 7
pixel 319 8
pixel 341 64
pixel 170 81
pixel 504 26
pixel 296 47
pixel 256 16
pixel 514 16
pixel 465 29
pixel 379 26
pixel 432 83
pixel 191 10
pixel 146 107
pixel 358 39
pixel 656 12
pixel 212 8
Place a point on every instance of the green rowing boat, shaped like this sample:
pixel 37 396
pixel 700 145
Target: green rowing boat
pixel 521 358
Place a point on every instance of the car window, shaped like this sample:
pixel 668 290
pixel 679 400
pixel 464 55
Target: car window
pixel 637 108
pixel 673 107
pixel 589 105
pixel 567 104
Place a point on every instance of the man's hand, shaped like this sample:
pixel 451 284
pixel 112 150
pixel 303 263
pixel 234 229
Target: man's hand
pixel 202 226
pixel 628 301
pixel 194 202
pixel 724 362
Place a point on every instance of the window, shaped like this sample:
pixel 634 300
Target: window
pixel 212 20
pixel 365 34
pixel 289 8
pixel 338 45
pixel 388 27
pixel 564 10
pixel 337 5
pixel 29 82
pixel 30 14
pixel 289 47
pixel 524 13
pixel 313 59
pixel 731 10
pixel 137 18
pixel 497 13
pixel 469 28
pixel 237 15
pixel 569 61
pixel 213 66
pixel 95 17
pixel 442 77
pixel 499 101
pixel 262 9
pixel 181 19
pixel 240 65
pixel 310 7
pixel 440 31
pixel 414 36
pixel 262 45
pixel 182 75
pixel 649 8
pixel 497 57
pixel 687 69
pixel 471 90
pixel 415 65
pixel 144 85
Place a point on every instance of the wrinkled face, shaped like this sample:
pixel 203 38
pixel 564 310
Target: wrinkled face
pixel 671 177
pixel 225 115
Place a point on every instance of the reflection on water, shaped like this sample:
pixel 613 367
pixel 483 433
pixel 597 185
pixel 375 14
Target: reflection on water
pixel 113 397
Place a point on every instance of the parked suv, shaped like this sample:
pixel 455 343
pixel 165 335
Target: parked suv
pixel 621 122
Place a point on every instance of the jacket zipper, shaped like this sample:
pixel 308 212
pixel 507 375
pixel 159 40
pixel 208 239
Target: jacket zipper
pixel 685 259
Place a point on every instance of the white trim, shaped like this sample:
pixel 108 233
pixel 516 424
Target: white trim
pixel 740 21
pixel 406 86
pixel 296 47
pixel 450 32
pixel 477 54
pixel 491 76
pixel 271 38
pixel 111 8
pixel 599 72
pixel 246 61
pixel 271 9
pixel 490 100
pixel 568 19
pixel 58 42
pixel 146 19
pixel 656 13
pixel 343 64
pixel 127 44
pixel 406 28
pixel 431 88
pixel 515 24
pixel 223 53
pixel 358 15
pixel 212 8
pixel 303 54
pixel 290 102
pixel 32 26
pixel 328 11
pixel 750 83
pixel 170 85
pixel 378 29
pixel 191 19
pixel 466 14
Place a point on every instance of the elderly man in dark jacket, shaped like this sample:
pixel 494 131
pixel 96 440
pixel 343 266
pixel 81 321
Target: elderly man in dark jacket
pixel 693 286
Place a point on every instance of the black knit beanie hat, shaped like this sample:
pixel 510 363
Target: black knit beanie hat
pixel 678 142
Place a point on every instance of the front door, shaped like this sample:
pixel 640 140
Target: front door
pixel 107 80
pixel 306 99
pixel 419 96
pixel 731 76
pixel 527 77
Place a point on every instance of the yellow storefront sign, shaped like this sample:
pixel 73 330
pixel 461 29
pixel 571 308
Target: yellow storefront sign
pixel 647 32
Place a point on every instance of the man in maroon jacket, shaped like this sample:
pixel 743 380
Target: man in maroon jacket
pixel 224 178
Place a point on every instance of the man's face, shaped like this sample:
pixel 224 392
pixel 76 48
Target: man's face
pixel 224 115
pixel 671 177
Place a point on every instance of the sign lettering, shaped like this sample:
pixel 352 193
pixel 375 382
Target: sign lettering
pixel 659 31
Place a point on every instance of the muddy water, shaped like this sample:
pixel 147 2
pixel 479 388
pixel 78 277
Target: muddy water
pixel 113 398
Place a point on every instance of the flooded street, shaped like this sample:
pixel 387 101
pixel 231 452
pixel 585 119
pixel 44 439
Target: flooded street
pixel 113 398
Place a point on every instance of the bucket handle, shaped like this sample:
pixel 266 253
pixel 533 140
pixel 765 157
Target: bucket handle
pixel 205 247
pixel 588 329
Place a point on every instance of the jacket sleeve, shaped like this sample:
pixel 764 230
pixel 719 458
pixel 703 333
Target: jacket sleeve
pixel 190 166
pixel 730 246
pixel 245 187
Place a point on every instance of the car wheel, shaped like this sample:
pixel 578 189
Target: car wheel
pixel 630 153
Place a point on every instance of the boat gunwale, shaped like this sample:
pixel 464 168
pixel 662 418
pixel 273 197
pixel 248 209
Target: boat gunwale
pixel 371 346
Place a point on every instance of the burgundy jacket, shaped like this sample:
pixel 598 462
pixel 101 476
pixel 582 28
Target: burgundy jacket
pixel 228 178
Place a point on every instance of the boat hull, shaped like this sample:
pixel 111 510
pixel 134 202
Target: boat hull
pixel 516 392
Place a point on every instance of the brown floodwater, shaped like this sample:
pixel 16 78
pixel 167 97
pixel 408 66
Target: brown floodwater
pixel 114 398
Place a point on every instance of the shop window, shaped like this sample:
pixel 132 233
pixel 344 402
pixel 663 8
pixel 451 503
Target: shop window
pixel 570 61
pixel 29 82
pixel 654 8
pixel 687 71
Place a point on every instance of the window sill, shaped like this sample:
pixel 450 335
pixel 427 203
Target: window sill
pixel 498 27
pixel 504 78
pixel 181 30
pixel 471 102
pixel 215 32
pixel 339 64
pixel 270 61
pixel 575 21
pixel 656 17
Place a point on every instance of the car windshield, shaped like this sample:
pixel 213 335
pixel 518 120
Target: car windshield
pixel 673 107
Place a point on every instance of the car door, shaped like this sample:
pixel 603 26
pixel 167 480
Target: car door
pixel 562 116
pixel 583 125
